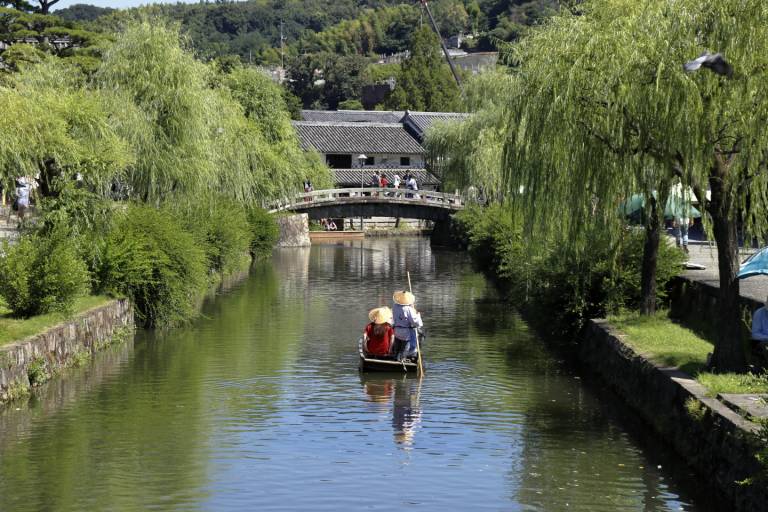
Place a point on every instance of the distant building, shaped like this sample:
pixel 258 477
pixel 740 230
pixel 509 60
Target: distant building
pixel 391 141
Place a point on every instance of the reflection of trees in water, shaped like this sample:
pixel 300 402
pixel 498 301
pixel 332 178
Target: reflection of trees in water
pixel 144 433
pixel 404 395
pixel 63 390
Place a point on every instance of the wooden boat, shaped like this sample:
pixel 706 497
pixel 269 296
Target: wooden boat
pixel 370 364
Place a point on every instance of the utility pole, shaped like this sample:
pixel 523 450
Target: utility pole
pixel 282 47
pixel 442 43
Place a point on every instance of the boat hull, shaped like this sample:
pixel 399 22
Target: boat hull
pixel 369 364
pixel 384 365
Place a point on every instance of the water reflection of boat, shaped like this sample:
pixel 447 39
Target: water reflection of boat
pixel 404 394
pixel 372 364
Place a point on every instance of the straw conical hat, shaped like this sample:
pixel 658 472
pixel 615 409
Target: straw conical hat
pixel 404 298
pixel 380 315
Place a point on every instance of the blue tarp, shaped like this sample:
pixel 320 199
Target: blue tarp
pixel 756 265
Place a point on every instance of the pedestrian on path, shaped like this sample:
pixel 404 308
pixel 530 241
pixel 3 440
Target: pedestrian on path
pixel 681 232
pixel 22 198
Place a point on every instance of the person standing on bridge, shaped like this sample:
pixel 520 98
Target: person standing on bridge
pixel 411 184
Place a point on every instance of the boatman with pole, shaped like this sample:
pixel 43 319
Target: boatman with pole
pixel 407 321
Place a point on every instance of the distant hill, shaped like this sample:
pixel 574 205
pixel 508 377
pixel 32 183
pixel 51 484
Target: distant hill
pixel 82 12
pixel 252 29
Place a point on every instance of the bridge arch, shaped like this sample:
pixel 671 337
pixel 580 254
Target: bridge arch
pixel 373 202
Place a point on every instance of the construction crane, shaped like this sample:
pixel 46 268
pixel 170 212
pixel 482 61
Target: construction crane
pixel 425 5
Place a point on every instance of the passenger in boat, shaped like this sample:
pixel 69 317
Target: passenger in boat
pixel 379 335
pixel 407 321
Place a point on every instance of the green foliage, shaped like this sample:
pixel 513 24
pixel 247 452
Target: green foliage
pixel 695 409
pixel 740 383
pixel 264 232
pixel 38 372
pixel 42 273
pixel 379 73
pixel 197 134
pixel 83 12
pixel 425 82
pixel 151 259
pixel 340 78
pixel 565 285
pixel 471 153
pixel 17 25
pixel 222 230
pixel 350 105
pixel 54 128
pixel 252 29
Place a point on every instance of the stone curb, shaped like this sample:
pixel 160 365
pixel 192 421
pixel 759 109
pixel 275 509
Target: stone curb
pixel 57 347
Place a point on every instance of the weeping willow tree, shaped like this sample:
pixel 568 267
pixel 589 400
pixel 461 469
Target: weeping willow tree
pixel 192 136
pixel 470 153
pixel 53 128
pixel 157 122
pixel 589 123
pixel 601 107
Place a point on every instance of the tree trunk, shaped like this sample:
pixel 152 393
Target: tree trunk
pixel 729 354
pixel 45 5
pixel 650 261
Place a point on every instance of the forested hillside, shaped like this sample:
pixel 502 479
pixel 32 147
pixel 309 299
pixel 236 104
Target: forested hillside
pixel 252 29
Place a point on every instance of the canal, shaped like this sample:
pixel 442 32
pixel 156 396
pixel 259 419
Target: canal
pixel 259 405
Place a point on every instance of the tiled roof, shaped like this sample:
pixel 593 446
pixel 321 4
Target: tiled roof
pixel 335 137
pixel 352 116
pixel 420 122
pixel 351 177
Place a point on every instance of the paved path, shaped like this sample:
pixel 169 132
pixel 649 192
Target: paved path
pixel 703 253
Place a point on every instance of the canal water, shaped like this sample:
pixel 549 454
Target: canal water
pixel 259 405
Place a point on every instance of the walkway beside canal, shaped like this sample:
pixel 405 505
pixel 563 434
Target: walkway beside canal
pixel 705 253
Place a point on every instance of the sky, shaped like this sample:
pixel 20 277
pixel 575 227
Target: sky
pixel 118 3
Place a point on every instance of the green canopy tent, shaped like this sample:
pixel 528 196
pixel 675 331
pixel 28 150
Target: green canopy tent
pixel 677 207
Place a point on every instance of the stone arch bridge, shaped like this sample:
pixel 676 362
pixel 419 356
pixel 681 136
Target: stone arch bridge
pixel 373 202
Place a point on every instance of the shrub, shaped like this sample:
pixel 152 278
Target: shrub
pixel 157 264
pixel 565 286
pixel 264 232
pixel 42 273
pixel 222 229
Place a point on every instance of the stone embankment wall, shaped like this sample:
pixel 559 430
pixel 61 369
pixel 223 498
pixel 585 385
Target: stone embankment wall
pixel 718 443
pixel 294 230
pixel 696 304
pixel 35 359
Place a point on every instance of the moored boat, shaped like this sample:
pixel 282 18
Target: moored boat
pixel 372 364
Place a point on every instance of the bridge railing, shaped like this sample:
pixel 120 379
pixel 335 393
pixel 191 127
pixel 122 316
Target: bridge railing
pixel 340 195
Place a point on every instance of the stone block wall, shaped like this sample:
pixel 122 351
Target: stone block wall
pixel 696 305
pixel 718 443
pixel 294 230
pixel 30 361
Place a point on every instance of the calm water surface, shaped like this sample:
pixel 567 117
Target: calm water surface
pixel 259 405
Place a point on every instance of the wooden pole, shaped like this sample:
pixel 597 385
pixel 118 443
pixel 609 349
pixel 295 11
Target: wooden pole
pixel 418 345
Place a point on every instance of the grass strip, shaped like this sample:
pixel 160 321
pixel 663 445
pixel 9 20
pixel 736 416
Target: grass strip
pixel 16 329
pixel 670 344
